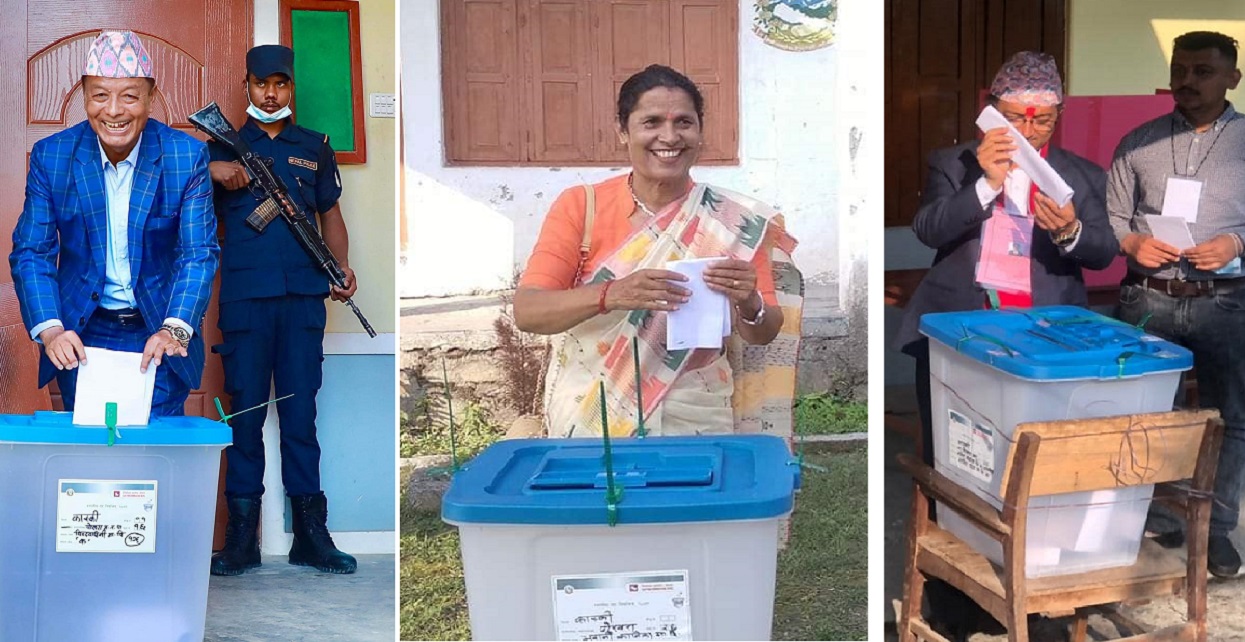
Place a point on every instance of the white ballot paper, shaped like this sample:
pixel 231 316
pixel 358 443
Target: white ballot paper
pixel 1171 230
pixel 1181 198
pixel 1027 158
pixel 706 317
pixel 111 376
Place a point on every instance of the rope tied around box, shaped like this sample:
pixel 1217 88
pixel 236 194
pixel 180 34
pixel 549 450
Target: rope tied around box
pixel 969 336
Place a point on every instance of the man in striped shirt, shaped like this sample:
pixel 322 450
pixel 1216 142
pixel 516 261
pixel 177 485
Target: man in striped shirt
pixel 1191 164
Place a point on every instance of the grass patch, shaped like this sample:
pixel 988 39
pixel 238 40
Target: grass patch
pixel 474 430
pixel 824 414
pixel 822 575
pixel 433 596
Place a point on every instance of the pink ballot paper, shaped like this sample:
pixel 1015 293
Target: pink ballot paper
pixel 1006 244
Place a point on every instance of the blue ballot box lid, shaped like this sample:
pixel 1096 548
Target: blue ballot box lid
pixel 664 479
pixel 1055 343
pixel 47 427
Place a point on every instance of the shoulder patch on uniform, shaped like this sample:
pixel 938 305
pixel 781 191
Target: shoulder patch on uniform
pixel 302 162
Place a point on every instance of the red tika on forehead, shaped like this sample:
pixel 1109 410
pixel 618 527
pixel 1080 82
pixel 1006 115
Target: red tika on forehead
pixel 1030 111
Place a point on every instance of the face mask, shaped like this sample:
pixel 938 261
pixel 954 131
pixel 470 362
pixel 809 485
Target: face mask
pixel 265 117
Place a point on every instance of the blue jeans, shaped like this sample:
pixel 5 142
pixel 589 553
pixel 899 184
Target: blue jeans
pixel 1213 328
pixel 169 398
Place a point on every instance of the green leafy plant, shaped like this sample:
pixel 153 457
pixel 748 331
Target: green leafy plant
pixel 426 433
pixel 828 414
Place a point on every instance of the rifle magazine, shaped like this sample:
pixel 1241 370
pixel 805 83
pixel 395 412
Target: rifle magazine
pixel 263 215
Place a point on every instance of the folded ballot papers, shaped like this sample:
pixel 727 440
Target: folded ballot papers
pixel 109 376
pixel 706 317
pixel 1027 158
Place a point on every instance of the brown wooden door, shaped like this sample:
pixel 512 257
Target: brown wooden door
pixel 940 56
pixel 198 53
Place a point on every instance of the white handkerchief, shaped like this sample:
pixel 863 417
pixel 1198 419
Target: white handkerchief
pixel 705 318
pixel 1181 198
pixel 1171 230
pixel 1027 158
pixel 111 376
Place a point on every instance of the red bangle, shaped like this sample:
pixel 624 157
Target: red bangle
pixel 601 300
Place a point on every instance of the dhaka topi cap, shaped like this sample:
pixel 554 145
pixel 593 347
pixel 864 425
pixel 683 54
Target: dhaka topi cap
pixel 118 54
pixel 1029 78
pixel 266 60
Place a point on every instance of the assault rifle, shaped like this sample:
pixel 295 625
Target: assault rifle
pixel 276 197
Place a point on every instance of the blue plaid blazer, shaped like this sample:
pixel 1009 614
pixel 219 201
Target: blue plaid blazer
pixel 61 237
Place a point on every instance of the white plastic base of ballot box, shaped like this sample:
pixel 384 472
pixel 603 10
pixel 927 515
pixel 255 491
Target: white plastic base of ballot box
pixel 729 575
pixel 106 593
pixel 975 411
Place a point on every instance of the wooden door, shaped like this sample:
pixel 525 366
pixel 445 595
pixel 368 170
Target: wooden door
pixel 198 53
pixel 940 56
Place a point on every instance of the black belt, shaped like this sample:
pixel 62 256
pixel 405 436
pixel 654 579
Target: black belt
pixel 1185 289
pixel 129 317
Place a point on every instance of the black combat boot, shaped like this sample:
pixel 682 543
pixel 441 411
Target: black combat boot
pixel 313 546
pixel 241 550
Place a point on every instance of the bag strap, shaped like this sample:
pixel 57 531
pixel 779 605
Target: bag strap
pixel 590 215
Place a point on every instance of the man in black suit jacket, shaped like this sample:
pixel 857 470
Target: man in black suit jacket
pixel 965 185
pixel 970 183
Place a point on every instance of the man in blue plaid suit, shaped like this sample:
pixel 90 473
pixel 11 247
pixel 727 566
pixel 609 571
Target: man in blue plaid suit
pixel 116 244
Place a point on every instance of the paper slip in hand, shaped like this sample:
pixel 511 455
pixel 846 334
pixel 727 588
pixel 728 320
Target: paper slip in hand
pixel 1171 230
pixel 1180 199
pixel 111 376
pixel 1028 159
pixel 705 318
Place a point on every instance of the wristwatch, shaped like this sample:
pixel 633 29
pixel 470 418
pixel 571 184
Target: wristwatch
pixel 1064 238
pixel 759 318
pixel 179 333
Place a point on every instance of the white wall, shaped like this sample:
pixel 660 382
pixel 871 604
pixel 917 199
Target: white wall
pixel 797 111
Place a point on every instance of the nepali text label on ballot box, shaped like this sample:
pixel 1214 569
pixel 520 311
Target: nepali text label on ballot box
pixel 692 555
pixel 993 369
pixel 106 543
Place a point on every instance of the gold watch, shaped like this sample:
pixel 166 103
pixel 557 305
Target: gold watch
pixel 1064 238
pixel 179 333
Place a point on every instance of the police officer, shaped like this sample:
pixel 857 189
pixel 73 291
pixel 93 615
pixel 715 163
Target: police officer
pixel 272 316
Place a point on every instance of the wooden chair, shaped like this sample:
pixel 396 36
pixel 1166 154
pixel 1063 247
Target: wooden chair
pixel 20 393
pixel 1062 457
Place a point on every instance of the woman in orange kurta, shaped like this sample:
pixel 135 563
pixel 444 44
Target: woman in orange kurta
pixel 618 291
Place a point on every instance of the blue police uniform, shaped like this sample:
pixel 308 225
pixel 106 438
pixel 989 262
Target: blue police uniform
pixel 272 310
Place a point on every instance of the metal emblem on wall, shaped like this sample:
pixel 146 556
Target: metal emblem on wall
pixel 796 25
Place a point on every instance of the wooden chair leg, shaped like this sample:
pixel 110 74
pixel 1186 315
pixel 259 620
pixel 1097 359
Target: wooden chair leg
pixel 914 588
pixel 1017 623
pixel 1079 630
pixel 1195 579
pixel 914 580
